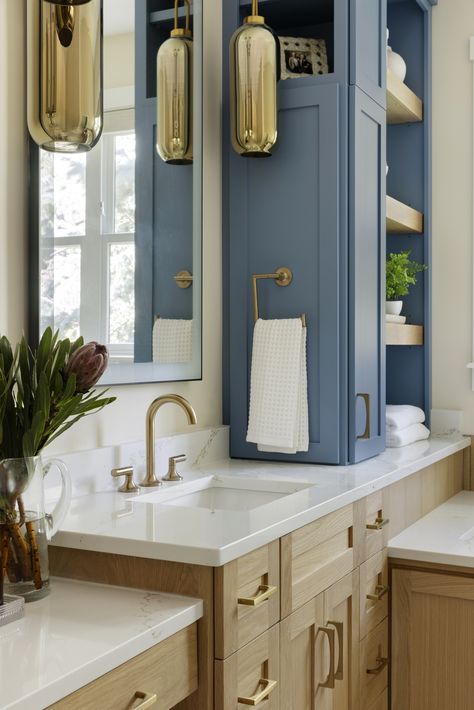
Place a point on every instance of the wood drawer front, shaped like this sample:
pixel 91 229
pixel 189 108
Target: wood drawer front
pixel 236 624
pixel 169 670
pixel 314 557
pixel 373 649
pixel 241 674
pixel 373 583
pixel 381 703
pixel 371 525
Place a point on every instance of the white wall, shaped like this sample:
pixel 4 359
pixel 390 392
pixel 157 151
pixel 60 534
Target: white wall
pixel 124 420
pixel 119 60
pixel 453 25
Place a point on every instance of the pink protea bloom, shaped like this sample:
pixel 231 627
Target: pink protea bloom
pixel 88 363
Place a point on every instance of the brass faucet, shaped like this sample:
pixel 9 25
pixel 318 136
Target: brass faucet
pixel 151 479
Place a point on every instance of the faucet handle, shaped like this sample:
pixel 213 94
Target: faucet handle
pixel 173 474
pixel 129 486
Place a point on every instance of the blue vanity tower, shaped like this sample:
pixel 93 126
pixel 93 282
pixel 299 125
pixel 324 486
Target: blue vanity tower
pixel 318 206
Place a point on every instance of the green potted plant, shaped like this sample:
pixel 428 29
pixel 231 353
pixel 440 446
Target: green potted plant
pixel 401 274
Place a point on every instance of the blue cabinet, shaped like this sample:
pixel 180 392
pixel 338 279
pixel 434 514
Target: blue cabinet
pixel 368 58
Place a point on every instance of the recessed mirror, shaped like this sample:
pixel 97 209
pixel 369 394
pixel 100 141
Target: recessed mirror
pixel 116 233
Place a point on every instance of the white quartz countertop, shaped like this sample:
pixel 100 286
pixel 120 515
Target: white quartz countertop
pixel 444 536
pixel 116 523
pixel 79 632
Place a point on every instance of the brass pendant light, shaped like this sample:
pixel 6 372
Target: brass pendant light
pixel 254 61
pixel 65 102
pixel 175 94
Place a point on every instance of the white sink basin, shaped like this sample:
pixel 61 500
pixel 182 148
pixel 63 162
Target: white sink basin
pixel 223 493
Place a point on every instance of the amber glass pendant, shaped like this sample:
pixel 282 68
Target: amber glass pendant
pixel 254 75
pixel 65 105
pixel 175 95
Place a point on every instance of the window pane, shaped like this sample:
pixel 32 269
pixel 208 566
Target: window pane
pixel 121 294
pixel 124 217
pixel 63 195
pixel 61 290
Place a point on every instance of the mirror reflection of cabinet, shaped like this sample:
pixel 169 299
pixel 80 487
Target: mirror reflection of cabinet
pixel 113 230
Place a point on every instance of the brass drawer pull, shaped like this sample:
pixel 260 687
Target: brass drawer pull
pixel 269 686
pixel 381 664
pixel 379 523
pixel 330 681
pixel 264 593
pixel 380 591
pixel 366 398
pixel 339 674
pixel 147 700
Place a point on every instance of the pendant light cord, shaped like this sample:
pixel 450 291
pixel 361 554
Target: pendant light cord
pixel 254 7
pixel 176 18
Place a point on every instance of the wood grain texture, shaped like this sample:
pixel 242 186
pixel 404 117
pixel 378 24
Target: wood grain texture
pixel 235 624
pixel 403 105
pixel 169 669
pixel 402 334
pixel 368 542
pixel 373 573
pixel 373 648
pixel 402 219
pixel 381 703
pixel 153 575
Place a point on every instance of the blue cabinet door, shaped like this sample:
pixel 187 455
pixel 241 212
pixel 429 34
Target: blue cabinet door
pixel 368 53
pixel 367 282
pixel 286 211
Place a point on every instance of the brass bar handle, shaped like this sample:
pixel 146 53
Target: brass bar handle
pixel 268 687
pixel 147 700
pixel 366 398
pixel 381 664
pixel 380 522
pixel 380 592
pixel 264 593
pixel 339 626
pixel 330 681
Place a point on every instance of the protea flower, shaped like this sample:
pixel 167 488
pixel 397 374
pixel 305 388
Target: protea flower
pixel 88 363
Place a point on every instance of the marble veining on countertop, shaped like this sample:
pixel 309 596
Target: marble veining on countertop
pixel 79 632
pixel 114 523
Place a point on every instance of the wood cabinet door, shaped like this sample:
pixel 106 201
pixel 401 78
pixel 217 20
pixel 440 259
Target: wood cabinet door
pixel 432 641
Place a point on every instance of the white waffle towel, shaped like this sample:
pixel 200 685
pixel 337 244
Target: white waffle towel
pixel 403 437
pixel 172 340
pixel 401 416
pixel 278 416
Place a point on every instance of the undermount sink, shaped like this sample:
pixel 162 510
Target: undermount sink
pixel 223 493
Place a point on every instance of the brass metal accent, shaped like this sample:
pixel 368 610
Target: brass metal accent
pixel 330 681
pixel 179 31
pixel 380 592
pixel 254 700
pixel 147 700
pixel 381 664
pixel 129 486
pixel 264 593
pixel 282 276
pixel 366 398
pixel 173 474
pixel 151 479
pixel 339 626
pixel 380 522
pixel 183 279
pixel 255 18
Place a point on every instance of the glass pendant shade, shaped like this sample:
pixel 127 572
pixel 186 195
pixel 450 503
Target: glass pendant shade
pixel 65 102
pixel 175 95
pixel 254 74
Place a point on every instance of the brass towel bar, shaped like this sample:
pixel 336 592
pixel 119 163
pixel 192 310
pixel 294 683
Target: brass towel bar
pixel 282 277
pixel 183 279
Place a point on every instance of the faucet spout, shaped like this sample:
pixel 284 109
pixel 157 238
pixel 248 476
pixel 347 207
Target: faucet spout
pixel 151 479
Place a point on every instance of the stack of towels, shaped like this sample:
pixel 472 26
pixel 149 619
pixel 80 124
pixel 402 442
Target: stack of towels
pixel 405 425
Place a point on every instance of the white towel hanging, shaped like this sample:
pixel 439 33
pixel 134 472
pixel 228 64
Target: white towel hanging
pixel 172 340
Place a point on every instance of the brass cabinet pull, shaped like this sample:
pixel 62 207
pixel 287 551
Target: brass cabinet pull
pixel 381 664
pixel 339 674
pixel 366 398
pixel 330 681
pixel 380 591
pixel 254 700
pixel 264 593
pixel 147 700
pixel 380 522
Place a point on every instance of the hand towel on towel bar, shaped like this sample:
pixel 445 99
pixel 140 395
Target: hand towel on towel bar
pixel 403 437
pixel 278 416
pixel 172 340
pixel 400 416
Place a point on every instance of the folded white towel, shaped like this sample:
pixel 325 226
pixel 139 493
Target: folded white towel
pixel 403 437
pixel 400 416
pixel 278 413
pixel 172 340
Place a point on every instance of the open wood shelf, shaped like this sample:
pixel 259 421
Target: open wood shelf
pixel 400 334
pixel 402 219
pixel 403 106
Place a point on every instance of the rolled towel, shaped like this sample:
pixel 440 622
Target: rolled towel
pixel 401 416
pixel 403 437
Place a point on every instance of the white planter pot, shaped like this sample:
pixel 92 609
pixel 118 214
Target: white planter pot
pixel 396 64
pixel 393 308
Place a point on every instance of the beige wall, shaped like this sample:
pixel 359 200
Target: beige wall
pixel 119 60
pixel 124 420
pixel 453 25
